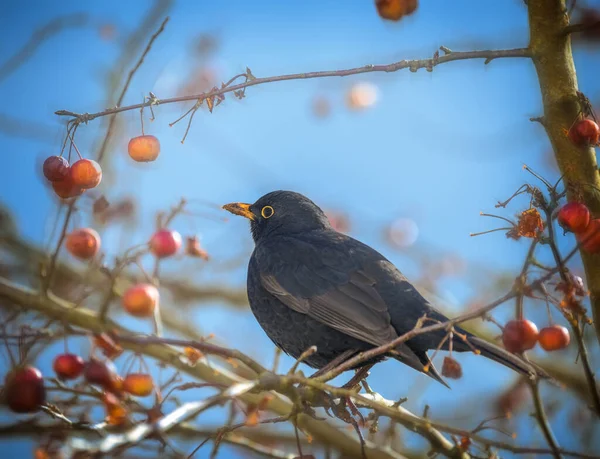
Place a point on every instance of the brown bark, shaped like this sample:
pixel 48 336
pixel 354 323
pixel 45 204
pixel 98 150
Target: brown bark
pixel 551 54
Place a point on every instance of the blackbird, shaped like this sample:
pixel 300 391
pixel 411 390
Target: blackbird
pixel 309 285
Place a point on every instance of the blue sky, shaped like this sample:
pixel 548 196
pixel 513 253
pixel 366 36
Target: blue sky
pixel 437 147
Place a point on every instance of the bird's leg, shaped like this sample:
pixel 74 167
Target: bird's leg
pixel 346 401
pixel 360 374
pixel 334 363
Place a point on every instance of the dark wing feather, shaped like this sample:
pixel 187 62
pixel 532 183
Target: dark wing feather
pixel 354 308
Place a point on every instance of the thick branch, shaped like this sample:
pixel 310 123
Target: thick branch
pixel 413 65
pixel 551 52
pixel 86 319
pixel 425 427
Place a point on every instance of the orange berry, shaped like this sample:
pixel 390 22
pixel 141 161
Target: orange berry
pixel 66 188
pixel 519 335
pixel 83 243
pixel 395 9
pixel 144 148
pixel 138 384
pixel 141 300
pixel 86 173
pixel 554 337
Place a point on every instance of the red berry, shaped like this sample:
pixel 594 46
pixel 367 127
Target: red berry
pixel 100 373
pixel 24 389
pixel 554 337
pixel 83 243
pixel 519 335
pixel 138 384
pixel 165 243
pixel 584 132
pixel 66 188
pixel 141 300
pixel 68 366
pixel 56 168
pixel 590 238
pixel 574 216
pixel 86 173
pixel 395 9
pixel 144 148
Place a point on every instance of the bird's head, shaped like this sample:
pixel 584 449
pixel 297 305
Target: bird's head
pixel 281 213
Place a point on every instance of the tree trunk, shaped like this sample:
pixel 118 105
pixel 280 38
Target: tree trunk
pixel 551 53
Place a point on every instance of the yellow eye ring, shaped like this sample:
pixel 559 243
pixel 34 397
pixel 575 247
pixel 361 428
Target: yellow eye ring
pixel 267 212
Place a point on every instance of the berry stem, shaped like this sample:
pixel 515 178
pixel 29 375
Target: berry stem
pixel 74 145
pixel 142 119
pixel 63 234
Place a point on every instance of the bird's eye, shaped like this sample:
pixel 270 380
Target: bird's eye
pixel 267 212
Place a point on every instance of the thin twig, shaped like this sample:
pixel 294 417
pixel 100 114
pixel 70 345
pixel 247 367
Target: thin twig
pixel 135 68
pixel 63 234
pixel 543 420
pixel 53 27
pixel 413 65
pixel 576 28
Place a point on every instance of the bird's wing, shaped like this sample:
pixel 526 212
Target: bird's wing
pixel 354 307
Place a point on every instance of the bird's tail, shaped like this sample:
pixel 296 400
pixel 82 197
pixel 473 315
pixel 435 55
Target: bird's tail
pixel 493 352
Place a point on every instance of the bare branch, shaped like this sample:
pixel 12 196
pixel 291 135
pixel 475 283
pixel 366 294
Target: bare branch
pixel 540 413
pixel 88 320
pixel 413 65
pixel 577 28
pixel 142 431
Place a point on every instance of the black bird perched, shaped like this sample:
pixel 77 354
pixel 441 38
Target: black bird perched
pixel 311 285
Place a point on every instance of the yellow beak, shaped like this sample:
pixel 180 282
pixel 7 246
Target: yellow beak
pixel 239 208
